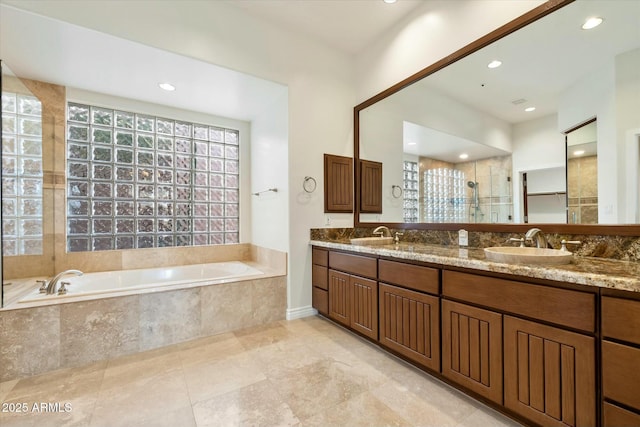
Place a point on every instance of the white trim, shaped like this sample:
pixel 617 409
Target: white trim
pixel 300 312
pixel 632 175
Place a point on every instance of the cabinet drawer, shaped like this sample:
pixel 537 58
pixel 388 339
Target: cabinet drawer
pixel 423 279
pixel 621 319
pixel 320 300
pixel 320 257
pixel 615 416
pixel 620 374
pixel 355 264
pixel 560 306
pixel 319 277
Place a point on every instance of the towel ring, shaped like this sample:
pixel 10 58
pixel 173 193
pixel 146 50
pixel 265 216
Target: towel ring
pixel 309 184
pixel 396 191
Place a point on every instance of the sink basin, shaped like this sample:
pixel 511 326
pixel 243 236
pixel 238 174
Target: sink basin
pixel 512 254
pixel 372 241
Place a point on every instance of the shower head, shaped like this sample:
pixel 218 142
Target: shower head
pixel 472 184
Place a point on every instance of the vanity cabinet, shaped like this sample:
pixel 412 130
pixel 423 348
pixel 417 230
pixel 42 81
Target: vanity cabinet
pixel 530 348
pixel 620 359
pixel 409 316
pixel 320 280
pixel 549 371
pixel 353 299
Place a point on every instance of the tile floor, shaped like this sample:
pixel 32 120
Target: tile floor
pixel 306 372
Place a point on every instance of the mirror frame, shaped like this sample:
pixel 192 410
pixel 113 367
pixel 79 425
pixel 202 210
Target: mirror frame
pixel 533 15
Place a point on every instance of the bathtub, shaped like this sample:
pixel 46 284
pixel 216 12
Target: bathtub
pixel 119 282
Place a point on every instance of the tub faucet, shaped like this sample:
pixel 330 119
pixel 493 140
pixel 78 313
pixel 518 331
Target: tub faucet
pixel 538 235
pixel 382 230
pixel 53 283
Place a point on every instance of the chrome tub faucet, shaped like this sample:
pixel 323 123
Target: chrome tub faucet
pixel 53 283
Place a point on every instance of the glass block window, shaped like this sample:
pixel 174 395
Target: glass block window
pixel 21 174
pixel 139 181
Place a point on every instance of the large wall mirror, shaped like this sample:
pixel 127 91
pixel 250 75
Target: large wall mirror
pixel 487 138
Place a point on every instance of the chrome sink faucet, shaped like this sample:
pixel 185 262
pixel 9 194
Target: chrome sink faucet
pixel 52 286
pixel 537 235
pixel 382 230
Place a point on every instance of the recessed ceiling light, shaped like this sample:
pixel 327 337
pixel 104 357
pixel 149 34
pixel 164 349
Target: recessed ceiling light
pixel 592 23
pixel 494 64
pixel 578 152
pixel 529 109
pixel 389 1
pixel 464 156
pixel 167 86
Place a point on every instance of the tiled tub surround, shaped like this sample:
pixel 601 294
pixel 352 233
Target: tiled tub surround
pixel 591 271
pixel 76 332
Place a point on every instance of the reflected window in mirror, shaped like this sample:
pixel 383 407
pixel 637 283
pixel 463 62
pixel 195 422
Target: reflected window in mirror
pixel 140 181
pixel 22 172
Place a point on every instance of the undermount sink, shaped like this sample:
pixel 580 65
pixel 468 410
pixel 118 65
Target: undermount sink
pixel 372 241
pixel 511 254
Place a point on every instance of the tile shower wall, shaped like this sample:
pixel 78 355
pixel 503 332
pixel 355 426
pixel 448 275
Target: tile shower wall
pixel 37 340
pixel 583 190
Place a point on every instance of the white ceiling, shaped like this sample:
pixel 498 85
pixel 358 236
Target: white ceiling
pixel 346 25
pixel 74 56
pixel 78 57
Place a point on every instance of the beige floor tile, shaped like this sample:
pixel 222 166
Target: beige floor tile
pixel 207 380
pixel 129 402
pixel 254 405
pixel 6 387
pixel 486 416
pixel 263 335
pixel 210 349
pixel 307 372
pixel 427 402
pixel 363 410
pixel 181 417
pixel 140 368
pixel 314 388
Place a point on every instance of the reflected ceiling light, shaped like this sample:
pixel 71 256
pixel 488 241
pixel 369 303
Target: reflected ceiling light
pixel 578 152
pixel 591 23
pixel 464 156
pixel 167 86
pixel 529 109
pixel 411 143
pixel 494 64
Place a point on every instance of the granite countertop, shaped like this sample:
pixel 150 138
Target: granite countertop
pixel 604 273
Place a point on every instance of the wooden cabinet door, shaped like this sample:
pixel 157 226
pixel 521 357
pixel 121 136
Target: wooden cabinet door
pixel 338 183
pixel 549 374
pixel 370 186
pixel 364 306
pixel 472 348
pixel 410 324
pixel 339 297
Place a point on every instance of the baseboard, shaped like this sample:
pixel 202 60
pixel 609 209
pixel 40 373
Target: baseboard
pixel 298 313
